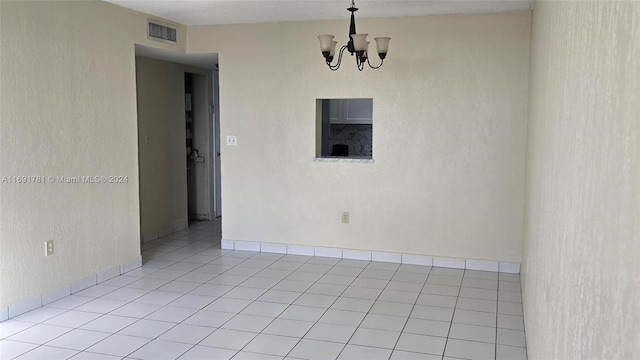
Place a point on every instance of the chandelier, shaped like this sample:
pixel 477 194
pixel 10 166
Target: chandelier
pixel 357 45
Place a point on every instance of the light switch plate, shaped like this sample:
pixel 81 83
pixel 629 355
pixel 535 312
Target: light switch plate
pixel 48 248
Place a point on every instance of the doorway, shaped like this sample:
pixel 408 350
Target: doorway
pixel 176 185
pixel 198 122
pixel 202 129
pixel 216 199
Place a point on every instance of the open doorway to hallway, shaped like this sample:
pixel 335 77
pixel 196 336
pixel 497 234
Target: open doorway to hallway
pixel 178 140
pixel 198 135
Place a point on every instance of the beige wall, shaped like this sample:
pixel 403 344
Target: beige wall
pixel 161 132
pixel 68 108
pixel 450 107
pixel 582 234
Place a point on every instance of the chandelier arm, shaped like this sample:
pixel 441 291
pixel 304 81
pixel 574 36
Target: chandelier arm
pixel 337 65
pixel 359 64
pixel 327 43
pixel 375 67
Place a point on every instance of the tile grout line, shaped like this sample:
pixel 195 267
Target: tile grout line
pixel 495 346
pixel 410 312
pixel 329 307
pixel 253 301
pixel 455 306
pixel 367 313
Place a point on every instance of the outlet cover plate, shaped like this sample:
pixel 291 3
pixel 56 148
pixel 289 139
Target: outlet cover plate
pixel 232 140
pixel 345 217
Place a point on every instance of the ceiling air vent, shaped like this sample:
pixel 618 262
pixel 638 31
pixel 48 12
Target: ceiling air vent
pixel 161 32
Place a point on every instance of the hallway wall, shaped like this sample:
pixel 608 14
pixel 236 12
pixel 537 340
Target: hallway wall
pixel 67 88
pixel 161 132
pixel 581 278
pixel 160 88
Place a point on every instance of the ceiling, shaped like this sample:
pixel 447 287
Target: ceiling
pixel 216 12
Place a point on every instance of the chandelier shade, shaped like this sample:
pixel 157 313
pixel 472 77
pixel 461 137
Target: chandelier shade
pixel 382 43
pixel 359 41
pixel 357 45
pixel 325 42
pixel 333 48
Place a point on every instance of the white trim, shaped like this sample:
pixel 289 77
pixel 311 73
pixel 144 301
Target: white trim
pixel 108 274
pixel 131 265
pixel 11 311
pixel 179 226
pixel 482 265
pixel 398 258
pixel 25 306
pixel 273 248
pixel 300 250
pixel 412 259
pixel 150 236
pixel 511 268
pixel 227 244
pixel 83 283
pixel 168 230
pixel 247 246
pixel 56 294
pixel 386 257
pixel 449 262
pixel 356 254
pixel 164 231
pixel 328 252
pixel 350 160
pixel 14 310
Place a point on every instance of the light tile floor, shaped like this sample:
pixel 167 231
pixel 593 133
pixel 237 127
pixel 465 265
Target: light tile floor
pixel 192 300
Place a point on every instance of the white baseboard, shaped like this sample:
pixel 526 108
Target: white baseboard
pixel 180 225
pixel 167 230
pixel 412 259
pixel 56 294
pixel 150 236
pixel 164 231
pixel 11 311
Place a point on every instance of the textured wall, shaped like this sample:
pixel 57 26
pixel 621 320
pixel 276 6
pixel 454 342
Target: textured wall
pixel 67 83
pixel 449 135
pixel 161 131
pixel 582 232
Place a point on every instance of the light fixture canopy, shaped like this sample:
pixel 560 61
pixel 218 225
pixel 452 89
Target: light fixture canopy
pixel 357 45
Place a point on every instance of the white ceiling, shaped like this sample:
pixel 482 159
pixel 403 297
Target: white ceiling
pixel 214 12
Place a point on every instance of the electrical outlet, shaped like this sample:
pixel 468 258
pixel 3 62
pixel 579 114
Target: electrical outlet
pixel 345 217
pixel 48 247
pixel 232 140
